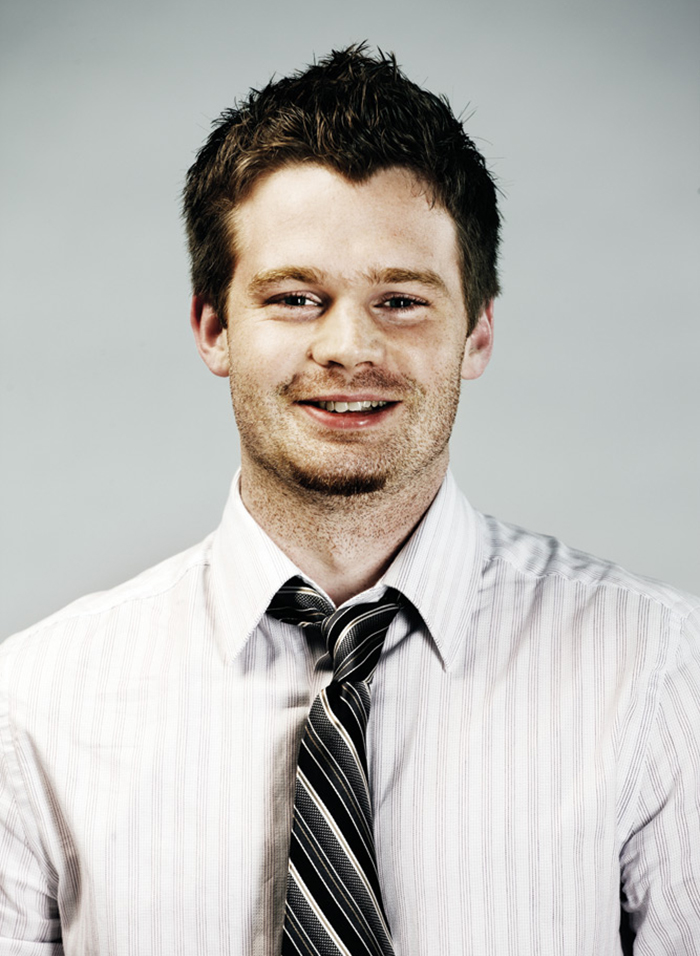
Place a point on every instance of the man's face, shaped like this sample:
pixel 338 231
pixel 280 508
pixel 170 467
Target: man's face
pixel 346 331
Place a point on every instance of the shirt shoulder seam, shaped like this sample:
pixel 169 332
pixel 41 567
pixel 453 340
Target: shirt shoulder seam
pixel 682 617
pixel 65 615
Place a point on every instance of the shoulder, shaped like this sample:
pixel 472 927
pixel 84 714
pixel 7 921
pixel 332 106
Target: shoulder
pixel 607 634
pixel 91 617
pixel 544 562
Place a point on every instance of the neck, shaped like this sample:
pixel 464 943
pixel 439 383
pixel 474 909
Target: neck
pixel 344 543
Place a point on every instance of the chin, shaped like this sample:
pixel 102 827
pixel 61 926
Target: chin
pixel 343 484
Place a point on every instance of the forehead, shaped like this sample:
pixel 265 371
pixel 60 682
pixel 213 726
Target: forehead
pixel 311 215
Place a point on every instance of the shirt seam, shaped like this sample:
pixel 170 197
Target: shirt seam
pixel 680 617
pixel 15 776
pixel 662 674
pixel 61 617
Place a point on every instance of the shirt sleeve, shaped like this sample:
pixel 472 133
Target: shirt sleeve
pixel 29 920
pixel 660 862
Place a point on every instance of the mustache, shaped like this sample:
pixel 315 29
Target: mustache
pixel 370 379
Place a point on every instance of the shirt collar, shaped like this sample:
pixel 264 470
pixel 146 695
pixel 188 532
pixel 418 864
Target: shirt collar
pixel 247 569
pixel 438 570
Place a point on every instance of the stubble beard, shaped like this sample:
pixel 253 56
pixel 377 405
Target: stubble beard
pixel 349 469
pixel 342 485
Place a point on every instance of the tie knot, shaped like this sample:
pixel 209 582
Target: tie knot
pixel 354 635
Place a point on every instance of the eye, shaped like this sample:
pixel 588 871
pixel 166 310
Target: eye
pixel 295 300
pixel 401 303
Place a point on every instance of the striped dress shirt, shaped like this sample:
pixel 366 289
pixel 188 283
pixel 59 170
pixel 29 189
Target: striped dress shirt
pixel 534 752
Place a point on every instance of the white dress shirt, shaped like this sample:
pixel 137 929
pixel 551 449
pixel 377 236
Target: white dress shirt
pixel 534 750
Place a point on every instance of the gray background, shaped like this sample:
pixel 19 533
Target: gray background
pixel 118 445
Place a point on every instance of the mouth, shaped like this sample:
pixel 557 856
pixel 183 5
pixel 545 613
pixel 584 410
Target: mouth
pixel 342 408
pixel 347 413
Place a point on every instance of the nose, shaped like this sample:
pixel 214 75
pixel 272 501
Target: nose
pixel 347 336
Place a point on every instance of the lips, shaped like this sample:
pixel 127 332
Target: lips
pixel 347 412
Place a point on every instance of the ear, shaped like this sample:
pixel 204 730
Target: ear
pixel 210 335
pixel 479 344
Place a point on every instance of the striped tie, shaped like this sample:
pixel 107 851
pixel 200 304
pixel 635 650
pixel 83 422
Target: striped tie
pixel 334 903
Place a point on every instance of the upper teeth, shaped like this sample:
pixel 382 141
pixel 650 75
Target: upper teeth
pixel 350 406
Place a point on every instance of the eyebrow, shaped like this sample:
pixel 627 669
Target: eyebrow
pixel 398 276
pixel 262 280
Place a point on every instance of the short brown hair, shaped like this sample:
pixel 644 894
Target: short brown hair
pixel 356 114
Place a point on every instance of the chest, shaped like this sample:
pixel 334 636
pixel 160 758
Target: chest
pixel 494 798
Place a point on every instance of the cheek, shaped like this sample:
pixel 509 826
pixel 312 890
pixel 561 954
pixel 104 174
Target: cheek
pixel 263 356
pixel 434 366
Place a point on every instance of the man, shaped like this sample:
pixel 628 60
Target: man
pixel 187 764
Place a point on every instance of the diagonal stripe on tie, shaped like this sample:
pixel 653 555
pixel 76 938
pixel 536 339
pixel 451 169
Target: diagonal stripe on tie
pixel 334 903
